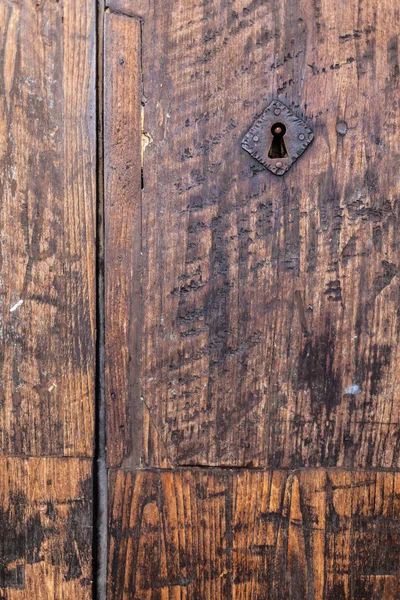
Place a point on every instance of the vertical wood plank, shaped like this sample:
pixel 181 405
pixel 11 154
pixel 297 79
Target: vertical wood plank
pixel 47 227
pixel 47 298
pixel 168 535
pixel 269 320
pixel 122 171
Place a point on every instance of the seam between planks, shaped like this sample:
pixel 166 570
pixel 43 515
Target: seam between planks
pixel 239 469
pixel 100 491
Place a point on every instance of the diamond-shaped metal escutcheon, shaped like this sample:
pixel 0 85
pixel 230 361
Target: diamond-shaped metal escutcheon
pixel 259 139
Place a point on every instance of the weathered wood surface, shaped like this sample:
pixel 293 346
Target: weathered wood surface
pixel 137 8
pixel 191 534
pixel 47 297
pixel 47 227
pixel 252 320
pixel 45 529
pixel 122 185
pixel 269 314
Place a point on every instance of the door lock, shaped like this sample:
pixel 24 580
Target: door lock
pixel 277 138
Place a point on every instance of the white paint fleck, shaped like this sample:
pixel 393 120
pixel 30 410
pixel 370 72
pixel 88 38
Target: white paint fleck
pixel 52 387
pixel 353 390
pixel 19 303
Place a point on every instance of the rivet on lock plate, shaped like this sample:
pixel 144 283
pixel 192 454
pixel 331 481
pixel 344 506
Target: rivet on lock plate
pixel 277 138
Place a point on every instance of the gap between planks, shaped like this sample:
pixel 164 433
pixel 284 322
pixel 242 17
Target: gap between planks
pixel 239 469
pixel 100 487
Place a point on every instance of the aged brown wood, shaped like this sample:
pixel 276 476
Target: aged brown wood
pixel 47 227
pixel 122 168
pixel 45 529
pixel 47 297
pixel 258 327
pixel 269 320
pixel 137 9
pixel 191 534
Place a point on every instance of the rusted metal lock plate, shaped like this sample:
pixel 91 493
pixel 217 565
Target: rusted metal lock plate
pixel 277 138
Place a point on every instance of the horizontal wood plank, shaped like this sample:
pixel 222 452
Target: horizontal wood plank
pixel 224 535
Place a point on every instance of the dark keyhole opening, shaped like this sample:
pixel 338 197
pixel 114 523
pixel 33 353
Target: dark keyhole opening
pixel 278 148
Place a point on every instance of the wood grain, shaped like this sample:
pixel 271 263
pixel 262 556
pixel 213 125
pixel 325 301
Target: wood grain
pixel 122 172
pixel 45 529
pixel 47 227
pixel 269 307
pixel 47 297
pixel 315 534
pixel 137 9
pixel 252 320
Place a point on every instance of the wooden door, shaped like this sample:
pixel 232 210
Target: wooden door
pixel 252 320
pixel 246 396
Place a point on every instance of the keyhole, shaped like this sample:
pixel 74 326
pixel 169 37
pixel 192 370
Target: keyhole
pixel 278 148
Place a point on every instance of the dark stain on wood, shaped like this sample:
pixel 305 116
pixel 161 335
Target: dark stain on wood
pixel 316 372
pixel 47 220
pixel 46 524
pixel 13 543
pixel 79 523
